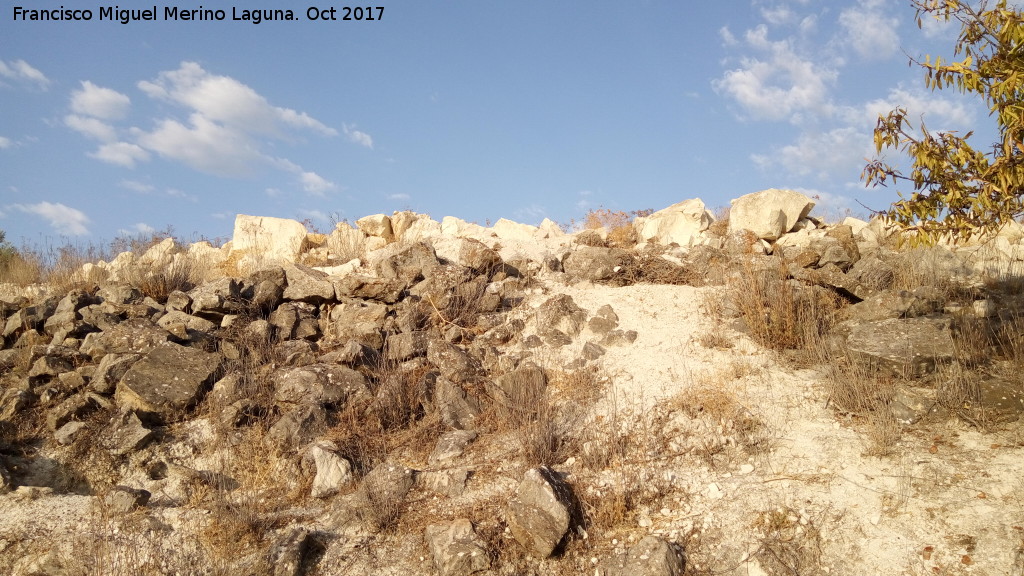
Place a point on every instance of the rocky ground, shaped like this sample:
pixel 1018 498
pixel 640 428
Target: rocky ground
pixel 772 395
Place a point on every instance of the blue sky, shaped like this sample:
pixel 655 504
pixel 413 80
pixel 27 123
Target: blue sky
pixel 472 108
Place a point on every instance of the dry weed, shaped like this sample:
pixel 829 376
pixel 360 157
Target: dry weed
pixel 780 313
pixel 789 543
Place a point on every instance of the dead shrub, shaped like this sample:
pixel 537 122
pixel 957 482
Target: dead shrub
pixel 183 273
pixel 780 313
pixel 862 391
pixel 649 267
pixel 618 223
pixel 789 543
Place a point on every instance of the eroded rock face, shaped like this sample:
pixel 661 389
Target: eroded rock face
pixel 167 381
pixel 540 513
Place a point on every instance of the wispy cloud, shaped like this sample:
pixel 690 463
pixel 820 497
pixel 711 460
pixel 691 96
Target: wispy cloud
pixel 226 101
pixel 63 219
pixel 357 137
pixel 870 30
pixel 135 186
pixel 121 154
pixel 400 196
pixel 5 143
pixel 99 102
pixel 778 83
pixel 138 229
pixel 223 129
pixel 21 71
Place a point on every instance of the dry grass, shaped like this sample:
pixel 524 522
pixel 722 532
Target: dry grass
pixel 618 223
pixel 649 267
pixel 183 273
pixel 780 313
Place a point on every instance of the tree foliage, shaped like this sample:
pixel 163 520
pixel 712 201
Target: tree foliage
pixel 960 191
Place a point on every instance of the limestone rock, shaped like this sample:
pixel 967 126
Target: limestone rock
pixel 377 225
pixel 126 434
pixel 318 384
pixel 652 556
pixel 509 230
pixel 299 425
pixel 451 445
pixel 401 347
pixel 540 513
pixel 680 223
pixel 593 263
pixel 406 263
pixel 769 213
pixel 456 549
pixel 910 347
pixel 466 252
pixel 168 380
pixel 370 288
pixel 358 320
pixel 332 471
pixel 307 285
pixel 122 499
pixel 267 240
pixel 453 362
pixel 457 408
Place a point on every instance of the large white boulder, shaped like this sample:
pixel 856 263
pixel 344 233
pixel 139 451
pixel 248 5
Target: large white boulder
pixel 509 230
pixel 377 225
pixel 266 239
pixel 681 223
pixel 769 213
pixel 459 228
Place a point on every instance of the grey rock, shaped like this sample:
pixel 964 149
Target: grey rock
pixel 453 362
pixel 449 481
pixel 170 379
pixel 6 482
pixel 520 388
pixel 591 351
pixel 593 263
pixel 123 499
pixel 651 556
pixel 357 320
pixel 407 263
pixel 133 336
pixel 451 445
pixel 298 426
pixel 215 299
pixel 897 304
pixel 540 513
pixel 319 384
pixel 456 548
pixel 110 371
pixel 911 347
pixel 562 314
pixel 181 324
pixel 383 493
pixel 267 295
pixel 178 301
pixel 295 320
pixel 126 434
pixel 387 290
pixel 401 347
pixel 71 408
pixel 307 285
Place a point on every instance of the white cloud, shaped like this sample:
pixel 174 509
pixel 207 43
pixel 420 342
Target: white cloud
pixel 227 101
pixel 401 196
pixel 93 100
pixel 135 186
pixel 22 71
pixel 820 153
pixel 361 138
pixel 781 86
pixel 121 154
pixel 940 113
pixel 727 37
pixel 868 29
pixel 91 127
pixel 315 184
pixel 5 143
pixel 778 15
pixel 140 228
pixel 203 145
pixel 63 219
